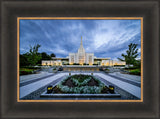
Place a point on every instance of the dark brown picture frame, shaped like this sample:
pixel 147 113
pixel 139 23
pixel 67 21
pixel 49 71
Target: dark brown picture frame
pixel 11 9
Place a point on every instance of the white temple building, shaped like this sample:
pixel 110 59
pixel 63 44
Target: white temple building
pixel 82 58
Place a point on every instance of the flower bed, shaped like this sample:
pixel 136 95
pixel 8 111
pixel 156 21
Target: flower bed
pixel 80 84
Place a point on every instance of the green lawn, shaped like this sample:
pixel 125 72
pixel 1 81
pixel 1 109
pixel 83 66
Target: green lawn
pixel 135 71
pixel 25 71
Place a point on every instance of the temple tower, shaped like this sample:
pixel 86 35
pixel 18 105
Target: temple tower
pixel 81 53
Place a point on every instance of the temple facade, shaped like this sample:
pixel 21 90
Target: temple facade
pixel 82 58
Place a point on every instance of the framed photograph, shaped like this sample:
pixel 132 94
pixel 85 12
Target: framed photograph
pixel 57 74
pixel 80 59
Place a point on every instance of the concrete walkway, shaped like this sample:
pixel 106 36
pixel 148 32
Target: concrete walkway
pixel 29 77
pixel 27 89
pixel 134 90
pixel 127 76
pixel 136 83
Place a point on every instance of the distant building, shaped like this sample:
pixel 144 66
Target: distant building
pixel 82 58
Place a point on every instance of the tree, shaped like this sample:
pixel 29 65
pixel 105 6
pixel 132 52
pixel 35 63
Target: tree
pixel 33 56
pixel 137 64
pixel 53 55
pixel 45 56
pixel 131 54
pixel 23 60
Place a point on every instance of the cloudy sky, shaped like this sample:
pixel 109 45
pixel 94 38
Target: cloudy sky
pixel 104 38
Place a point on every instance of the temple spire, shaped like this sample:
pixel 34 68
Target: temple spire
pixel 81 50
pixel 81 40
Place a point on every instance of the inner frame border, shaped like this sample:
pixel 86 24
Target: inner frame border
pixel 79 18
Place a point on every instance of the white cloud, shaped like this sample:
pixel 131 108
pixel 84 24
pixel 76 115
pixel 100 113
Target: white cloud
pixel 114 36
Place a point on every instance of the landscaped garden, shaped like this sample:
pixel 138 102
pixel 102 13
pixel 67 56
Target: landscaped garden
pixel 135 70
pixel 28 70
pixel 80 84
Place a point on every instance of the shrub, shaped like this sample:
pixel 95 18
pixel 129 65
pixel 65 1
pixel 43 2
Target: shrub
pixel 81 85
pixel 134 67
pixel 75 63
pixel 31 67
pixel 119 65
pixel 39 65
pixel 85 64
pixel 24 71
pixel 80 77
pixel 107 70
pixel 135 72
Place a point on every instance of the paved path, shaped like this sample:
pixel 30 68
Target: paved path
pixel 29 77
pixel 134 90
pixel 27 89
pixel 34 80
pixel 127 86
pixel 136 83
pixel 127 76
